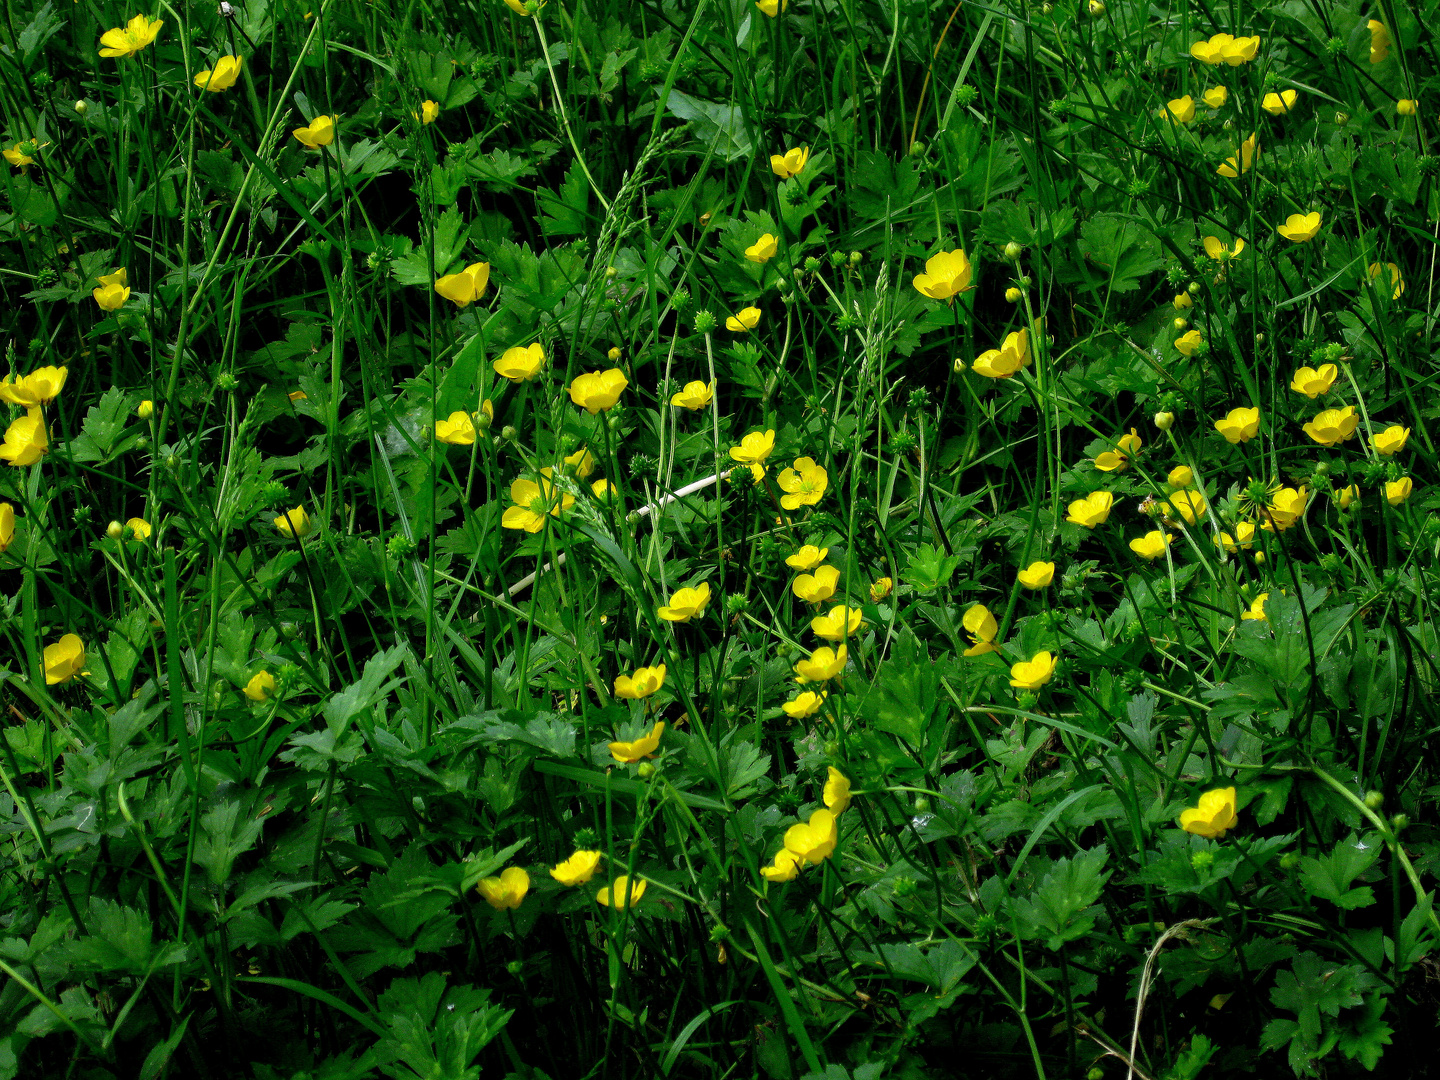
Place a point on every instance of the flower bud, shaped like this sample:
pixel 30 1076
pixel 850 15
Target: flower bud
pixel 1014 295
pixel 1013 251
pixel 610 271
pixel 146 410
pixel 1341 119
pixel 1180 324
pixel 1164 420
pixel 614 354
pixel 1193 288
pixel 1399 822
pixel 82 107
pixel 1097 7
pixel 114 530
pixel 1374 800
pixel 508 433
pixel 646 770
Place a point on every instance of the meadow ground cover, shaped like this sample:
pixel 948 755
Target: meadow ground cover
pixel 815 539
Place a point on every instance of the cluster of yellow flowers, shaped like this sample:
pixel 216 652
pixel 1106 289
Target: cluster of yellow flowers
pixel 812 842
pixel 27 439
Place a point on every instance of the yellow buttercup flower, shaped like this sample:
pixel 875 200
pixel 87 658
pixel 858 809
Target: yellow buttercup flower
pixel 696 395
pixel 880 589
pixel 1397 491
pixel 22 154
pixel 111 297
pixel 1299 228
pixel 1182 476
pixel 1189 343
pixel 982 628
pixel 222 76
pixel 642 684
pixel 520 363
pixel 577 869
pixel 1257 610
pixel 507 890
pixel 1312 382
pixel 1347 495
pixel 1152 545
pixel 1239 425
pixel 743 321
pixel 1215 97
pixel 1285 508
pixel 7 526
pixel 458 430
pixel 624 892
pixel 814 841
pixel 1183 302
pixel 1225 49
pixel 790 163
pixel 1397 283
pixel 1187 505
pixel 27 439
pixel 841 623
pixel 1279 104
pixel 837 791
pixel 535 502
pixel 140 529
pixel 1233 168
pixel 518 6
pixel 1243 540
pixel 1005 361
pixel 129 40
pixel 1333 425
pixel 597 391
pixel 581 463
pixel 823 665
pixel 946 276
pixel 763 250
pixel 1214 817
pixel 630 752
pixel 754 448
pixel 1092 510
pixel 772 8
pixel 685 604
pixel 1219 250
pixel 818 587
pixel 260 687
pixel 1390 441
pixel 1179 111
pixel 786 866
pixel 1406 106
pixel 429 111
pixel 1126 447
pixel 1037 575
pixel 40 387
pixel 319 132
pixel 804 485
pixel 805 703
pixel 807 558
pixel 64 660
pixel 1033 673
pixel 295 524
pixel 464 288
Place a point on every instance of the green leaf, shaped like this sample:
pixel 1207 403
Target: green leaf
pixel 414 268
pixel 1315 988
pixel 1059 909
pixel 433 1032
pixel 1329 877
pixel 1365 1038
pixel 722 127
pixel 545 731
pixel 1121 249
pixel 930 568
pixel 567 212
pixel 227 832
pixel 103 425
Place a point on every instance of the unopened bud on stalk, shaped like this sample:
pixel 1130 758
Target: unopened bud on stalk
pixel 1013 251
pixel 114 530
pixel 1164 420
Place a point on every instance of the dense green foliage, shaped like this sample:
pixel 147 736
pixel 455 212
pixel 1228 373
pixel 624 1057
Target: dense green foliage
pixel 1023 663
